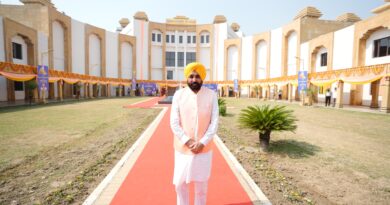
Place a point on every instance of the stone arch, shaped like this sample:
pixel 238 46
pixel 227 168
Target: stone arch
pixel 100 33
pixel 362 42
pixel 286 50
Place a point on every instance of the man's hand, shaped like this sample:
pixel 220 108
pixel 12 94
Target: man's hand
pixel 190 143
pixel 197 147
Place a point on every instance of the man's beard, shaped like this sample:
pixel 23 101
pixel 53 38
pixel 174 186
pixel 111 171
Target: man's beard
pixel 195 86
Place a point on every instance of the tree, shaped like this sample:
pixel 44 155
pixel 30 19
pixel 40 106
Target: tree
pixel 265 119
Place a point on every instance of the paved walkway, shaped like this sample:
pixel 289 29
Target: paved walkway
pixel 144 174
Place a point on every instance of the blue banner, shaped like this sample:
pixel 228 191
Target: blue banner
pixel 43 78
pixel 211 87
pixel 133 84
pixel 150 89
pixel 235 85
pixel 302 80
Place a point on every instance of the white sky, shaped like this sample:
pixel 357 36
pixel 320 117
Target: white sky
pixel 253 16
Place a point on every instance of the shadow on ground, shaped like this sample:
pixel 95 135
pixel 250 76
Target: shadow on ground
pixel 294 149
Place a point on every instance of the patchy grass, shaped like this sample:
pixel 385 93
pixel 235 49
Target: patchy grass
pixel 61 152
pixel 335 156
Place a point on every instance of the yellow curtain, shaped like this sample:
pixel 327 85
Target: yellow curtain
pixel 53 79
pixel 18 77
pixel 70 81
pixel 323 82
pixel 361 80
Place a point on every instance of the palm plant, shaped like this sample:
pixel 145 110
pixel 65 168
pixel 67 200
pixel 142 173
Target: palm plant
pixel 222 106
pixel 31 86
pixel 265 119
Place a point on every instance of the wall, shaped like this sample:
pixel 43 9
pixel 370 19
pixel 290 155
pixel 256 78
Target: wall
pixel 343 48
pixel 276 53
pixel 232 63
pixel 220 34
pixel 94 56
pixel 246 58
pixel 261 60
pixel 58 46
pixel 43 47
pixel 127 60
pixel 291 54
pixel 304 58
pixel 111 55
pixel 78 47
pixel 3 81
pixel 141 30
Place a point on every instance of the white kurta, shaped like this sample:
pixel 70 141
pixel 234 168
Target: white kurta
pixel 192 167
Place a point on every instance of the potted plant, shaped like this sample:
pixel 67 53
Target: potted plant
pixel 265 119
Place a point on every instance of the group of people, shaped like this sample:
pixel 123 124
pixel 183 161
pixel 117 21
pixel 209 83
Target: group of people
pixel 329 96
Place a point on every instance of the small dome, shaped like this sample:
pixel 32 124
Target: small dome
pixel 124 22
pixel 348 17
pixel 235 27
pixel 310 12
pixel 219 19
pixel 140 15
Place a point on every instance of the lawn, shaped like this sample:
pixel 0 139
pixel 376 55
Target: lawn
pixel 334 157
pixel 57 154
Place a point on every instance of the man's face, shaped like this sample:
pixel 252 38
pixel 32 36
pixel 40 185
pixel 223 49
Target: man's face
pixel 194 81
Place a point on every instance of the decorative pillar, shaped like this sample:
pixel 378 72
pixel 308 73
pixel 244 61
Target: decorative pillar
pixel 290 91
pixel 10 90
pixel 51 91
pixel 86 85
pixel 385 87
pixel 356 94
pixel 90 90
pixel 375 94
pixel 340 93
pixel 60 93
pixel 249 91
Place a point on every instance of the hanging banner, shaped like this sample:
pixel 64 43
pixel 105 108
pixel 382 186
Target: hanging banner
pixel 43 78
pixel 302 80
pixel 150 89
pixel 211 87
pixel 235 85
pixel 133 84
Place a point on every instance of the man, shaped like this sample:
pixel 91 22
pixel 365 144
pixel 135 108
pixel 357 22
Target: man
pixel 328 95
pixel 194 122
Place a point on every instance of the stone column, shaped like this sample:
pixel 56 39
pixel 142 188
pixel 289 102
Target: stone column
pixel 340 94
pixel 90 90
pixel 290 91
pixel 86 90
pixel 60 93
pixel 385 87
pixel 356 94
pixel 249 91
pixel 375 94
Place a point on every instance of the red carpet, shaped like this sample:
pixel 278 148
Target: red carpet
pixel 146 104
pixel 150 180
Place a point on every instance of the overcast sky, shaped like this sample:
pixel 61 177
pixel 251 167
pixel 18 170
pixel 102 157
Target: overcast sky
pixel 254 16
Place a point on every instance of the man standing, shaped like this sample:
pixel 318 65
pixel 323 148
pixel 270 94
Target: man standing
pixel 194 122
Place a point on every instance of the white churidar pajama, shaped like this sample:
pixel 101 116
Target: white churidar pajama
pixel 192 168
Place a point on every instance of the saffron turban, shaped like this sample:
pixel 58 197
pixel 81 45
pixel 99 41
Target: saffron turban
pixel 197 67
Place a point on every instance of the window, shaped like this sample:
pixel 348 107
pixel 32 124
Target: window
pixel 180 59
pixel 324 59
pixel 17 51
pixel 170 59
pixel 172 38
pixel 153 37
pixel 193 39
pixel 190 57
pixel 180 39
pixel 159 37
pixel 167 38
pixel 208 39
pixel 382 47
pixel 169 74
pixel 202 39
pixel 18 85
pixel 188 39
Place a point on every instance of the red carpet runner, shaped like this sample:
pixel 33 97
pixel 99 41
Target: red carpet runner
pixel 150 180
